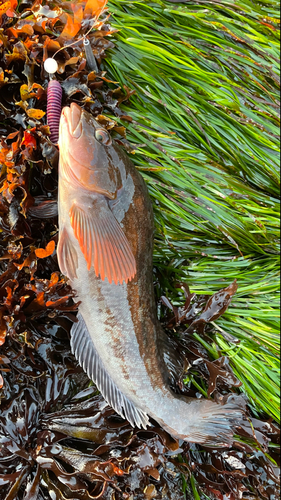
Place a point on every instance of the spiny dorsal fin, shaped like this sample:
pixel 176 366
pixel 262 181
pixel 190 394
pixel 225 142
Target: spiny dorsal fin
pixel 84 351
pixel 103 242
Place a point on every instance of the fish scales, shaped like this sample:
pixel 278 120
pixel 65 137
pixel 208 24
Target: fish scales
pixel 105 248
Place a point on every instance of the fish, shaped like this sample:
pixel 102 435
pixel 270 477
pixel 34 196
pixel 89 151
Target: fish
pixel 105 248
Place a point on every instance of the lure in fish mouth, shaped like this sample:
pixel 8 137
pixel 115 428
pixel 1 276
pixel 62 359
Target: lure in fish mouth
pixel 105 248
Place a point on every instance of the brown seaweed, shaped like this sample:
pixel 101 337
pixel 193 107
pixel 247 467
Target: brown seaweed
pixel 58 438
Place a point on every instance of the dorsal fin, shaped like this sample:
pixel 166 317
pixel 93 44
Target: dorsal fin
pixel 103 242
pixel 87 356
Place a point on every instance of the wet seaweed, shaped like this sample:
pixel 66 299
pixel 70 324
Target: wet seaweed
pixel 58 438
pixel 231 474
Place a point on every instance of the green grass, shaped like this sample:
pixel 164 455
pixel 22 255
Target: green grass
pixel 205 127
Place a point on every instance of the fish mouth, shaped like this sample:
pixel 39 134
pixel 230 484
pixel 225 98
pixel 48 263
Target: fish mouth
pixel 73 117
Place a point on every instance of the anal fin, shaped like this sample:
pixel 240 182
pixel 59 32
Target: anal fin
pixel 67 255
pixel 87 356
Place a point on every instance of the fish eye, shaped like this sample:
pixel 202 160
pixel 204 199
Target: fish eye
pixel 103 137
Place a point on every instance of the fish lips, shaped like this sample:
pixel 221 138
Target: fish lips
pixel 72 117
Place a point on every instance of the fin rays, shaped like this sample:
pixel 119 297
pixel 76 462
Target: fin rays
pixel 67 255
pixel 84 351
pixel 103 243
pixel 207 422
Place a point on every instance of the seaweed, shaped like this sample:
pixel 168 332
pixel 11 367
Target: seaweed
pixel 58 437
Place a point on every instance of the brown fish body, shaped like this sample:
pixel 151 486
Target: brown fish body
pixel 105 248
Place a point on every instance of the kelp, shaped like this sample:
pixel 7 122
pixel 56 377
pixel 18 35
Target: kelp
pixel 215 213
pixel 84 450
pixel 59 439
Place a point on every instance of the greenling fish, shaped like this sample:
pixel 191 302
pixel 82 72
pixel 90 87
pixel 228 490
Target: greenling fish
pixel 105 249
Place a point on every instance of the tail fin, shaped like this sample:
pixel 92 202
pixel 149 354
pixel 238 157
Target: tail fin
pixel 206 422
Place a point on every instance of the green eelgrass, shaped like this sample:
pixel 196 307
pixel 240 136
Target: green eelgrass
pixel 205 125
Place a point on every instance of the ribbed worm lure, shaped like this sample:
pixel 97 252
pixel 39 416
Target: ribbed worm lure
pixel 54 98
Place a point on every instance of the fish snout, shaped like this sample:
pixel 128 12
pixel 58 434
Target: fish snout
pixel 73 116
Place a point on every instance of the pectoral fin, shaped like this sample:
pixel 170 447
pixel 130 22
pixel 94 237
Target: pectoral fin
pixel 47 209
pixel 103 243
pixel 67 255
pixel 87 356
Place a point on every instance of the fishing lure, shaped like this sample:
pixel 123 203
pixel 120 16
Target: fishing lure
pixel 54 90
pixel 54 98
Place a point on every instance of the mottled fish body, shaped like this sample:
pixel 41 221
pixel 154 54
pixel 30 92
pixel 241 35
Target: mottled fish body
pixel 105 248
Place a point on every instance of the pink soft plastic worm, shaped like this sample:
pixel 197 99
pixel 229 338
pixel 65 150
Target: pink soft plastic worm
pixel 54 97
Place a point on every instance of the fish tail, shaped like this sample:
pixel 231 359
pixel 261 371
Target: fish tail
pixel 204 421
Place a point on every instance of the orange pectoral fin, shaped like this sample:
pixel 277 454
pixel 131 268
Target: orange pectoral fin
pixel 103 243
pixel 67 255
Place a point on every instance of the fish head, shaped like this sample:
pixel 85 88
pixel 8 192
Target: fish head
pixel 87 152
